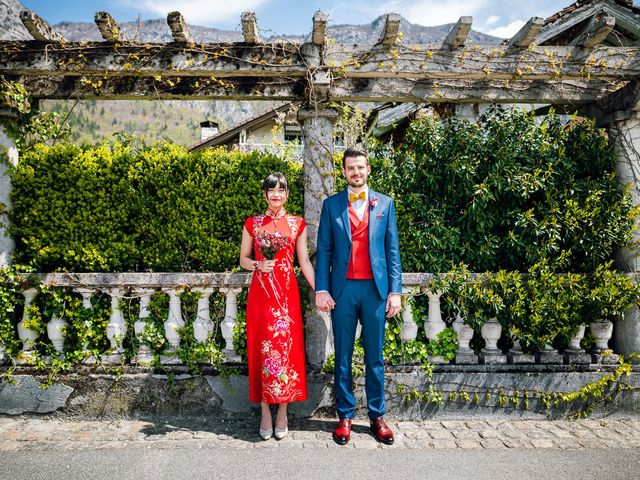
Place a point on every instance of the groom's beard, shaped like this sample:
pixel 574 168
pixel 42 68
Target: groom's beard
pixel 356 183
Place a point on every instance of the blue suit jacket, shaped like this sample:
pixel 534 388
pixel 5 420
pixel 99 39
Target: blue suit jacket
pixel 334 244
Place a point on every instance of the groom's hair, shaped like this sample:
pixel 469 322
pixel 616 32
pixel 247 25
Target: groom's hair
pixel 354 152
pixel 274 180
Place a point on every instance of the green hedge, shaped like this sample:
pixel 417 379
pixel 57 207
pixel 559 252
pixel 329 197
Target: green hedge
pixel 505 193
pixel 121 208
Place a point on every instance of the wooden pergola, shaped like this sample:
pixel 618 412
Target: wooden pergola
pixel 585 58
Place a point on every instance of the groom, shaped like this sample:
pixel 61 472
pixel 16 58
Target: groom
pixel 358 277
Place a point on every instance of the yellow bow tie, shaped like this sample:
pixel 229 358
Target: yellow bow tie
pixel 360 196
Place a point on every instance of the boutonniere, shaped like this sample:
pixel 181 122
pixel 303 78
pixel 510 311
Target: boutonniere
pixel 373 202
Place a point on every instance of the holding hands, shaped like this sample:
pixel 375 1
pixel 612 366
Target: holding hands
pixel 324 302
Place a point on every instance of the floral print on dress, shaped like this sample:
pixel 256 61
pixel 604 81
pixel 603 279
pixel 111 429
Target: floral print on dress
pixel 280 348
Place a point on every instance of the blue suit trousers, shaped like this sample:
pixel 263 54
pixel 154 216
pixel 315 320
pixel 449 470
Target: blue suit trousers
pixel 359 300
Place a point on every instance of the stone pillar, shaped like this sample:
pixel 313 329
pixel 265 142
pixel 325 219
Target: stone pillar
pixel 319 183
pixel 172 326
pixel 202 325
pixel 86 293
pixel 409 327
pixel 9 151
pixel 116 329
pixel 434 324
pixel 229 322
pixel 624 132
pixel 144 354
pixel 26 335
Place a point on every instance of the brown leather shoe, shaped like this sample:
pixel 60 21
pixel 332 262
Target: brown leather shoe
pixel 381 431
pixel 342 433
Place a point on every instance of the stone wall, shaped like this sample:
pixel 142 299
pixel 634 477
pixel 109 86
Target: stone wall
pixel 141 392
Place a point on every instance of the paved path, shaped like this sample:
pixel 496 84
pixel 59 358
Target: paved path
pixel 240 432
pixel 229 448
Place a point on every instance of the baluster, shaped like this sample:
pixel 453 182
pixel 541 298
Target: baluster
pixel 409 327
pixel 491 331
pixel 203 326
pixel 26 335
pixel 464 355
pixel 549 355
pixel 359 329
pixel 573 354
pixel 230 317
pixel 171 325
pixel 434 324
pixel 116 328
pixel 602 331
pixel 56 330
pixel 86 293
pixel 516 355
pixel 144 354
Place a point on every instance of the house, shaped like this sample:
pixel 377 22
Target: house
pixel 272 131
pixel 580 20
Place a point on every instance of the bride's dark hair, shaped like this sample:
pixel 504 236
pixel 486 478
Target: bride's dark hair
pixel 274 180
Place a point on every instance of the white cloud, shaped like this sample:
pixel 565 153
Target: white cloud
pixel 196 12
pixel 491 20
pixel 422 12
pixel 506 31
pixel 437 13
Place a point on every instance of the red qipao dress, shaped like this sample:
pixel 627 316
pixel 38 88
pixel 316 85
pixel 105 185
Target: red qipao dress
pixel 275 333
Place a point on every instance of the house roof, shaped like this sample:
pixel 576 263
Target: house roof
pixel 386 116
pixel 561 27
pixel 567 10
pixel 229 134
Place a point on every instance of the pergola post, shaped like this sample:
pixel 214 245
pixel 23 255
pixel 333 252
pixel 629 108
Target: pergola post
pixel 9 153
pixel 624 132
pixel 319 182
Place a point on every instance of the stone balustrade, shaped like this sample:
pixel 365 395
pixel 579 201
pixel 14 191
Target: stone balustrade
pixel 141 286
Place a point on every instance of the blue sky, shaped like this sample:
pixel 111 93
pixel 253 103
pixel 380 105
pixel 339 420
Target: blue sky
pixel 501 18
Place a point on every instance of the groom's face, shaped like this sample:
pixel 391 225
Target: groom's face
pixel 356 170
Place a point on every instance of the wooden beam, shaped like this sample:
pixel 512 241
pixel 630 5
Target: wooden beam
pixel 38 28
pixel 595 32
pixel 319 34
pixel 250 27
pixel 164 59
pixel 391 29
pixel 179 29
pixel 527 34
pixel 171 88
pixel 458 34
pixel 287 60
pixel 497 62
pixel 109 28
pixel 342 89
pixel 467 91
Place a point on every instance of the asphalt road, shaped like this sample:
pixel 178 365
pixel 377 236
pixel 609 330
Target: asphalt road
pixel 311 464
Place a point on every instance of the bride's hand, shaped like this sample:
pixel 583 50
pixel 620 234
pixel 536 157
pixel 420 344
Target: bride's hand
pixel 266 266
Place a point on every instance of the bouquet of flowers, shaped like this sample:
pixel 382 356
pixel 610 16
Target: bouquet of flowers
pixel 269 244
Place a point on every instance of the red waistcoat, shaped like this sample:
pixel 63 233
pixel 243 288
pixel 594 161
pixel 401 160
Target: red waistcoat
pixel 360 262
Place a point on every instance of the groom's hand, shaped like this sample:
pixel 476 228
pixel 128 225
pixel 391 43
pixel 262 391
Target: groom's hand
pixel 393 305
pixel 324 302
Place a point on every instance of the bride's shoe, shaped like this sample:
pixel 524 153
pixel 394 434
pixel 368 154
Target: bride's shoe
pixel 266 434
pixel 280 433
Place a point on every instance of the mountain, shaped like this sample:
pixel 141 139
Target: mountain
pixel 11 27
pixel 157 31
pixel 178 121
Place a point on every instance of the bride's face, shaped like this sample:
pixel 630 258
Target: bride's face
pixel 276 197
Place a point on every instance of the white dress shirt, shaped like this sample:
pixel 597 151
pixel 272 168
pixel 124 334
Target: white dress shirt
pixel 360 206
